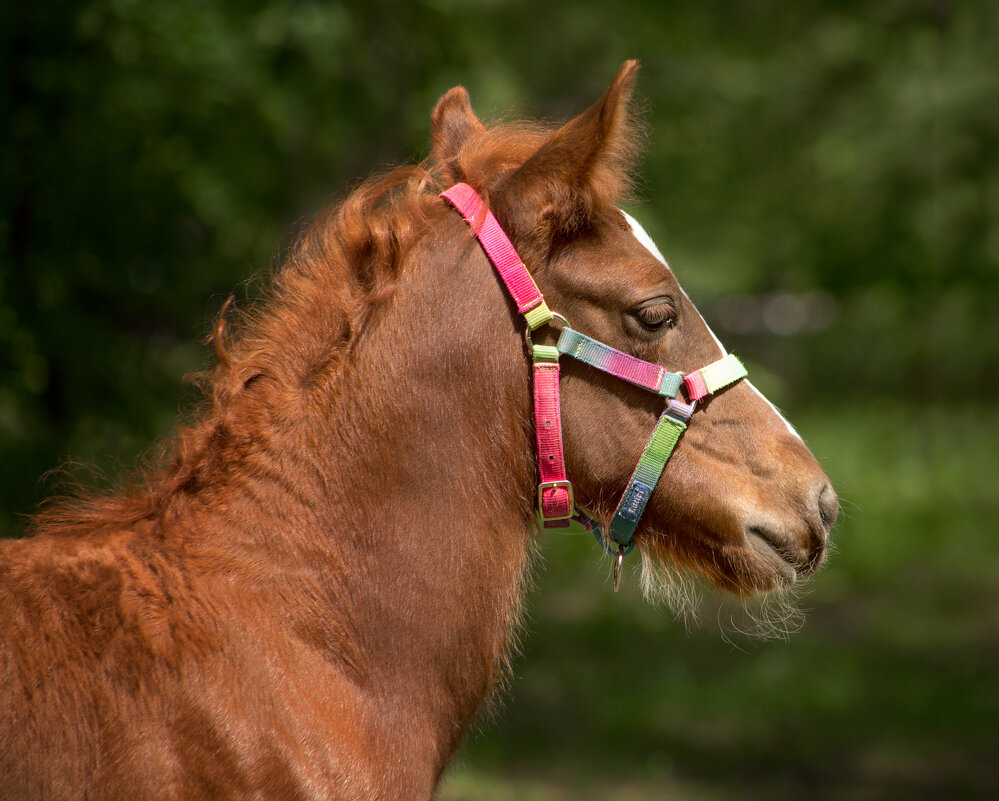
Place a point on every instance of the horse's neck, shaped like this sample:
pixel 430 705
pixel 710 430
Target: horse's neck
pixel 427 479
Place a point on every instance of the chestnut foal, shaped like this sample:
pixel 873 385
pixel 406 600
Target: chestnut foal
pixel 312 596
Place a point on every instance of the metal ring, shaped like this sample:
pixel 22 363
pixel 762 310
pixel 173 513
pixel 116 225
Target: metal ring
pixel 607 543
pixel 561 319
pixel 527 331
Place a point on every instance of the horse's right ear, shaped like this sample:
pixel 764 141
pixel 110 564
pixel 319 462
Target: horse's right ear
pixel 452 123
pixel 583 165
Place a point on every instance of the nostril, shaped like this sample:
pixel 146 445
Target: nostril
pixel 828 506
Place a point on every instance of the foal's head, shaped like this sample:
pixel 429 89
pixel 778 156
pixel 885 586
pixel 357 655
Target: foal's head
pixel 742 501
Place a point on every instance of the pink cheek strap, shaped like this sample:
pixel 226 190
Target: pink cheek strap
pixel 555 500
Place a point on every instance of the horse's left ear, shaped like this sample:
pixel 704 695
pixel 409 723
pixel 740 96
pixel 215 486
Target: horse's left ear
pixel 582 166
pixel 452 123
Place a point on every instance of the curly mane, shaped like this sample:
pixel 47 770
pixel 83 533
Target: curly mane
pixel 341 268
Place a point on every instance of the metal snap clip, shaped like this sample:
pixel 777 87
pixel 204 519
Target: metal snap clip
pixel 618 564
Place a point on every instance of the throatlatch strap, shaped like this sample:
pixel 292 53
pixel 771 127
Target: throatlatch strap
pixel 555 501
pixel 727 370
pixel 502 254
pixel 610 360
pixel 659 448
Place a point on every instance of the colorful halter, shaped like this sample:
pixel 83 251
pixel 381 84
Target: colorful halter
pixel 556 505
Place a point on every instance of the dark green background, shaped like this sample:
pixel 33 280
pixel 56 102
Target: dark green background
pixel 824 178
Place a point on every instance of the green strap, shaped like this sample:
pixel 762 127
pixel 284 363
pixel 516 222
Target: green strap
pixel 545 353
pixel 650 467
pixel 538 316
pixel 723 372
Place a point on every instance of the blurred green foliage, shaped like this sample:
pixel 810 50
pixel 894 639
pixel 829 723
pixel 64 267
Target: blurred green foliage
pixel 824 178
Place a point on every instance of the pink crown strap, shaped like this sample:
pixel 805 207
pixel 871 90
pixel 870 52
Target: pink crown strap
pixel 501 252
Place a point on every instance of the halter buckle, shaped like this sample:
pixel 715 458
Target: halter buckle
pixel 548 485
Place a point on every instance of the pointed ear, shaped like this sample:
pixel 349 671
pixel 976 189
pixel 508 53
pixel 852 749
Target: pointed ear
pixel 582 167
pixel 452 123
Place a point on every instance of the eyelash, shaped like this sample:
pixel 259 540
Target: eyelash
pixel 656 315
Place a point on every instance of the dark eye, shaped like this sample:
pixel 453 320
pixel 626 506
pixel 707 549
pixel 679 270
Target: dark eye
pixel 656 314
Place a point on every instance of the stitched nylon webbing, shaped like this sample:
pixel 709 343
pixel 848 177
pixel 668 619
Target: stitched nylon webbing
pixel 658 449
pixel 502 254
pixel 717 375
pixel 610 360
pixel 555 501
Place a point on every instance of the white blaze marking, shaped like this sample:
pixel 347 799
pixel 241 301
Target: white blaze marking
pixel 643 237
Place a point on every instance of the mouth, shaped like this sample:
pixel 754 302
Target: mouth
pixel 772 556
